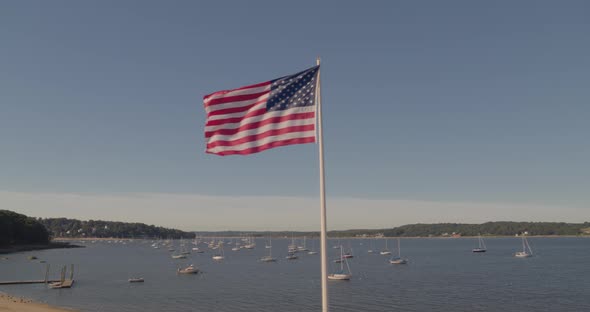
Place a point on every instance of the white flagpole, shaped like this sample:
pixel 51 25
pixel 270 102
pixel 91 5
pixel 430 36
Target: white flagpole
pixel 323 234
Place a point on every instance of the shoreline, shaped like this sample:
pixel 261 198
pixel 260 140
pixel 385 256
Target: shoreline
pixel 52 245
pixel 70 239
pixel 10 303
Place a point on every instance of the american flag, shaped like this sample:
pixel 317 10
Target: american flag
pixel 258 117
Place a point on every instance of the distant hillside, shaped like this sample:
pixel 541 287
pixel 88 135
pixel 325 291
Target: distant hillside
pixel 18 229
pixel 501 228
pixel 62 227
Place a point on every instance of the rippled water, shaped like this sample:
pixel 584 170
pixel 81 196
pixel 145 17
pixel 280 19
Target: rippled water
pixel 442 275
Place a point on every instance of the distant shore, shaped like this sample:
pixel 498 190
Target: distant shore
pixel 10 303
pixel 70 239
pixel 27 247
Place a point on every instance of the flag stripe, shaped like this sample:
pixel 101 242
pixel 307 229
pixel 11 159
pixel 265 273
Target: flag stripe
pixel 261 135
pixel 264 86
pixel 253 116
pixel 226 130
pixel 269 127
pixel 237 98
pixel 250 148
pixel 235 117
pixel 239 109
pixel 217 107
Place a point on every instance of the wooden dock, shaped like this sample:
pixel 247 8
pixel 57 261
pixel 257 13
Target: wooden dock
pixel 28 282
pixel 52 283
pixel 60 283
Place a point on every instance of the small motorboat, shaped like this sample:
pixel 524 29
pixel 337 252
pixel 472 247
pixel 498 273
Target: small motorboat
pixel 136 280
pixel 291 256
pixel 188 270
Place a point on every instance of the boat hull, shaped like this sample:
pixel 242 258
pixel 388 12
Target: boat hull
pixel 522 255
pixel 339 277
pixel 398 261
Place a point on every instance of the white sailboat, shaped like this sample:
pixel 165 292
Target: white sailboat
pixel 183 250
pixel 303 248
pixel 312 251
pixel 251 243
pixel 372 246
pixel 398 259
pixel 269 258
pixel 341 275
pixel 482 245
pixel 386 250
pixel 181 255
pixel 219 256
pixel 526 249
pixel 292 247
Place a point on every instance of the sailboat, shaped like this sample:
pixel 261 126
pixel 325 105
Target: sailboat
pixel 292 247
pixel 341 275
pixel 385 251
pixel 251 243
pixel 398 259
pixel 348 254
pixel 482 245
pixel 337 246
pixel 181 255
pixel 183 250
pixel 269 258
pixel 303 248
pixel 219 256
pixel 372 246
pixel 526 249
pixel 312 251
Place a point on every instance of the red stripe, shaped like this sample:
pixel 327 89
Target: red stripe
pixel 261 123
pixel 232 110
pixel 235 98
pixel 266 83
pixel 260 136
pixel 266 146
pixel 253 113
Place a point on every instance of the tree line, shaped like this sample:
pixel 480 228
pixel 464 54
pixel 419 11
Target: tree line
pixel 500 228
pixel 17 229
pixel 62 227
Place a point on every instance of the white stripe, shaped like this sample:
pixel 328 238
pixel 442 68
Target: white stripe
pixel 237 92
pixel 240 114
pixel 273 126
pixel 294 135
pixel 217 107
pixel 253 119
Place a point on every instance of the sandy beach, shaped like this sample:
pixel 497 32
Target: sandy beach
pixel 10 303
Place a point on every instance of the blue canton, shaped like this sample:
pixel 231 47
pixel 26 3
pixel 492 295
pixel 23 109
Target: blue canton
pixel 293 91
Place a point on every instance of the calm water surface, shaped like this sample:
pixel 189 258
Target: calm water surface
pixel 442 275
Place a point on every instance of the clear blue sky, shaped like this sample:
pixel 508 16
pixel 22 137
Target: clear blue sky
pixel 437 101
